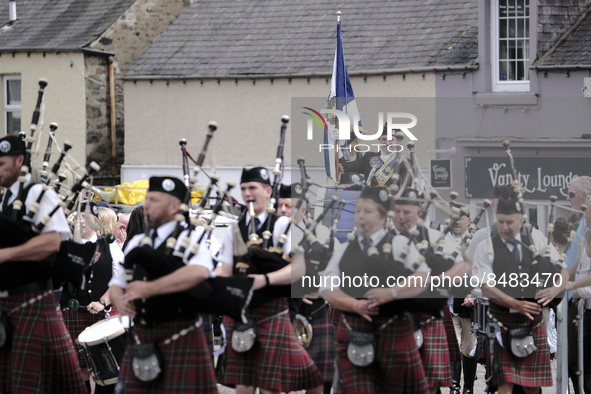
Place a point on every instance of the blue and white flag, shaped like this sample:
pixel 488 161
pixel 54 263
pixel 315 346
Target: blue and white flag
pixel 341 98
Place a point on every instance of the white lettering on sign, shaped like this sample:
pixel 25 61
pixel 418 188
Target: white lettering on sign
pixel 440 172
pixel 541 182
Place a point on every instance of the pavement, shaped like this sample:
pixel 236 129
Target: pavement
pixel 479 385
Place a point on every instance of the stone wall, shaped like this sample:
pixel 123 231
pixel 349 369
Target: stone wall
pixel 98 117
pixel 128 37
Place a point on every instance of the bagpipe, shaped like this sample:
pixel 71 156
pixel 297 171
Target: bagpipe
pixel 17 226
pixel 541 262
pixel 383 265
pixel 431 250
pixel 218 295
pixel 259 255
pixel 68 265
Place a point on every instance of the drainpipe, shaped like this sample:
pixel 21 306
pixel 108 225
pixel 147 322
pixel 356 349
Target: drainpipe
pixel 113 118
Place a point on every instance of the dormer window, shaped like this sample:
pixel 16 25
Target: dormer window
pixel 510 45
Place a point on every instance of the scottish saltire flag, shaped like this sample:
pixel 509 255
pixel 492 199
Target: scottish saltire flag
pixel 341 98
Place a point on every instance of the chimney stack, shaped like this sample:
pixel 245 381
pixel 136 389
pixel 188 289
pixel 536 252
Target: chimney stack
pixel 11 11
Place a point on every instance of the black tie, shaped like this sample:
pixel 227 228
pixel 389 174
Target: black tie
pixel 257 224
pixel 154 236
pixel 366 244
pixel 515 250
pixel 7 196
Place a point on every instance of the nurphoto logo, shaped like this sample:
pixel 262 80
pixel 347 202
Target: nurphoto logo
pixel 328 124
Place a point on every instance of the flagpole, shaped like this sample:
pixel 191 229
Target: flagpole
pixel 337 141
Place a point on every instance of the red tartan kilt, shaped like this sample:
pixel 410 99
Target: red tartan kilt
pixel 531 371
pixel 397 367
pixel 335 315
pixel 452 339
pixel 322 347
pixel 277 362
pixel 76 322
pixel 187 361
pixel 40 356
pixel 435 353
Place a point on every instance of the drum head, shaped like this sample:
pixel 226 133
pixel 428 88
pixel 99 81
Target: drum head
pixel 108 328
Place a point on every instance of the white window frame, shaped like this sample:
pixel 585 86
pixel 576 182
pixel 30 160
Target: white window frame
pixel 13 107
pixel 498 85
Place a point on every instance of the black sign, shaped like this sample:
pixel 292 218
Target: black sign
pixel 539 177
pixel 440 173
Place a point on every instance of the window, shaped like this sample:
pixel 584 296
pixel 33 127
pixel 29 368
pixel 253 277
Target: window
pixel 510 45
pixel 12 104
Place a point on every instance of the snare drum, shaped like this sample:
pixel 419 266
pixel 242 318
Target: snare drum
pixel 103 345
pixel 480 313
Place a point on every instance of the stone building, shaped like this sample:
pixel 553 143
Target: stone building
pixel 532 87
pixel 80 47
pixel 245 64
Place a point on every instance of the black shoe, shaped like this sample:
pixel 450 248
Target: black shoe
pixel 456 374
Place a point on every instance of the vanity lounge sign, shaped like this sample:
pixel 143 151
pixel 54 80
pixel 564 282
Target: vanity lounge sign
pixel 540 177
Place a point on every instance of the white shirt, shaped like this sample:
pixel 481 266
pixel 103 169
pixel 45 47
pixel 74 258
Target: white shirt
pixel 58 222
pixel 226 255
pixel 398 243
pixel 385 156
pixel 482 265
pixel 434 235
pixel 202 257
pixel 451 238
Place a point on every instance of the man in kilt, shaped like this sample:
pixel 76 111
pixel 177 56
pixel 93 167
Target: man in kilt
pixel 394 364
pixel 93 300
pixel 435 349
pixel 313 307
pixel 277 362
pixel 39 356
pixel 178 337
pixel 516 304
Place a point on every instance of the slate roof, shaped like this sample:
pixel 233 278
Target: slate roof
pixel 554 18
pixel 572 49
pixel 57 24
pixel 224 38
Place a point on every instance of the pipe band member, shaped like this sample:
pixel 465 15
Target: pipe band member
pixel 397 366
pixel 435 349
pixel 40 355
pixel 187 360
pixel 313 308
pixel 518 305
pixel 258 367
pixel 95 297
